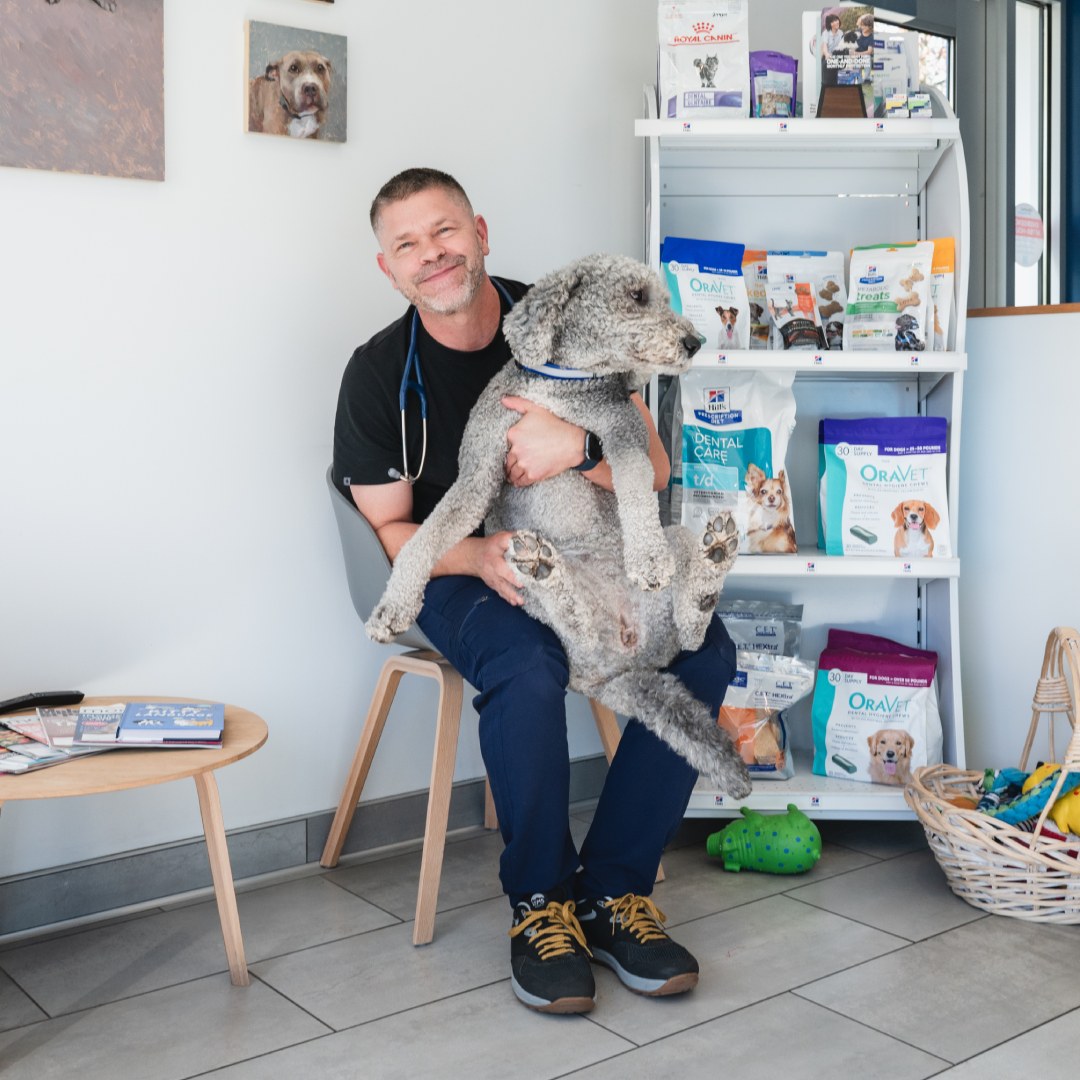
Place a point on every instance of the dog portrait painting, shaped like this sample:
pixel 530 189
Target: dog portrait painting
pixel 769 530
pixel 890 756
pixel 83 86
pixel 296 83
pixel 915 520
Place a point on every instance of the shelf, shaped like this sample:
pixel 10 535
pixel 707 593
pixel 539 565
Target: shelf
pixel 816 796
pixel 812 562
pixel 776 134
pixel 835 362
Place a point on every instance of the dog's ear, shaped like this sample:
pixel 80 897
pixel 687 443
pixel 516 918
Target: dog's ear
pixel 931 517
pixel 782 477
pixel 754 476
pixel 898 515
pixel 532 328
pixel 870 742
pixel 273 70
pixel 907 743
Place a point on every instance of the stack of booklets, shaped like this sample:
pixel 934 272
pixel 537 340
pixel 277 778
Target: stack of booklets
pixel 52 736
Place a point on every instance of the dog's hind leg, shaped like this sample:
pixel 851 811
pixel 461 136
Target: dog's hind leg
pixel 667 708
pixel 702 564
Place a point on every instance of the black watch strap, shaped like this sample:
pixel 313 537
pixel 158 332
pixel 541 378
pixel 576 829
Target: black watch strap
pixel 594 452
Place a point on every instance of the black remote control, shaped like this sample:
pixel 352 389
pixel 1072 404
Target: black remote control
pixel 50 699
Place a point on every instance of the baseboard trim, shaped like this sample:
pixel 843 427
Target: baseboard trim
pixel 46 900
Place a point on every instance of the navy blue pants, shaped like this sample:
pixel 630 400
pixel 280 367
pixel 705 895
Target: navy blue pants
pixel 520 671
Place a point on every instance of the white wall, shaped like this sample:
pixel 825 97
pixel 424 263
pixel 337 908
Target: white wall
pixel 1019 521
pixel 169 363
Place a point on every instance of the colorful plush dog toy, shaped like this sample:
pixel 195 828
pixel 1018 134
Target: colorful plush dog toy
pixel 775 843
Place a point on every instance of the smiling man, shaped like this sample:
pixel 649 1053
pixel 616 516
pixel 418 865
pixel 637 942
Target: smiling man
pixel 405 398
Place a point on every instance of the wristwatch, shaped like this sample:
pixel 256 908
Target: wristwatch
pixel 594 452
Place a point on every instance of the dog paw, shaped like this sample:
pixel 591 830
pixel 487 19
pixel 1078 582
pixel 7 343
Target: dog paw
pixel 653 572
pixel 531 555
pixel 720 542
pixel 388 620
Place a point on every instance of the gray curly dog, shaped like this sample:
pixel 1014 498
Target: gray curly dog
pixel 623 593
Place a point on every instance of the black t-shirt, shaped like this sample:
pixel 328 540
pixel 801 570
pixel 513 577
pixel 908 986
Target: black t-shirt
pixel 367 428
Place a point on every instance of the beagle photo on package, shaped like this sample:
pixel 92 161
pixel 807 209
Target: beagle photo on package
pixel 914 519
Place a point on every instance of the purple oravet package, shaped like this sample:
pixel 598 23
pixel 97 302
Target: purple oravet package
pixel 773 83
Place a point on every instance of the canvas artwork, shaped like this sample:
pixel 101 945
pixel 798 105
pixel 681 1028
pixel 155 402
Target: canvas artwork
pixel 82 86
pixel 296 82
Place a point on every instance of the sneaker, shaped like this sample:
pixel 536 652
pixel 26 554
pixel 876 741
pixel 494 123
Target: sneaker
pixel 627 935
pixel 549 960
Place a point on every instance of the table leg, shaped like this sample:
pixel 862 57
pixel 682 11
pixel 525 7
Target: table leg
pixel 221 871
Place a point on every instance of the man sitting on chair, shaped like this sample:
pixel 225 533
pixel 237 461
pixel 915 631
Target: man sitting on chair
pixel 567 905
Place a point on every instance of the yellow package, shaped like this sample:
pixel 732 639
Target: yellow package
pixel 942 288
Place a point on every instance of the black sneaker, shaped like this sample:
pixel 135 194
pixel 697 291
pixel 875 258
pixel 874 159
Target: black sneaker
pixel 549 961
pixel 627 934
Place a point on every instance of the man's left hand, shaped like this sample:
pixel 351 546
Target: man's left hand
pixel 540 444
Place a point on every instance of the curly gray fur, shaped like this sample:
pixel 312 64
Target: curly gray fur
pixel 623 593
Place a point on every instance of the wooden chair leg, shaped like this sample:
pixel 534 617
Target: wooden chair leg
pixel 438 810
pixel 381 700
pixel 608 727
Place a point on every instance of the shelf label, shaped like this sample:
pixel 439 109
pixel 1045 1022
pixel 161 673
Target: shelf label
pixel 686 125
pixel 914 361
pixel 718 800
pixel 782 126
pixel 819 359
pixel 879 126
pixel 907 568
pixel 810 567
pixel 815 802
pixel 721 358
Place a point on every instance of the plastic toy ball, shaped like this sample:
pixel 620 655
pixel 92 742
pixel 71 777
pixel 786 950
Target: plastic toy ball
pixel 775 843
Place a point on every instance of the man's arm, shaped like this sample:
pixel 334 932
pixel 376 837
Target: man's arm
pixel 543 445
pixel 388 509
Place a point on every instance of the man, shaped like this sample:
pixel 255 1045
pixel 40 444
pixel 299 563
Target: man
pixel 567 906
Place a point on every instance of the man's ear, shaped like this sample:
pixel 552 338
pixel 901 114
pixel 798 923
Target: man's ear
pixel 381 260
pixel 533 326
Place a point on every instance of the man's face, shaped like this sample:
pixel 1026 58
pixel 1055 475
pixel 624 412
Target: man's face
pixel 433 250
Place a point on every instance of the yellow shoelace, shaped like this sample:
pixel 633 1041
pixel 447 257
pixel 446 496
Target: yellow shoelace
pixel 639 915
pixel 558 936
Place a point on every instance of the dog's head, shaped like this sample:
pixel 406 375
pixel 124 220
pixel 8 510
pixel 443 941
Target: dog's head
pixel 304 78
pixel 728 315
pixel 891 748
pixel 907 322
pixel 605 314
pixel 770 492
pixel 915 514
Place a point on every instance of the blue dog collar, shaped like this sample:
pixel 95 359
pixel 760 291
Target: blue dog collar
pixel 550 371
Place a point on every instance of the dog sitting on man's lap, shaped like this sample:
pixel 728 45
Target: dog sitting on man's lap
pixel 624 594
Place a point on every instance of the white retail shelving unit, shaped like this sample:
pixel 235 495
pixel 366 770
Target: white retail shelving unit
pixel 831 184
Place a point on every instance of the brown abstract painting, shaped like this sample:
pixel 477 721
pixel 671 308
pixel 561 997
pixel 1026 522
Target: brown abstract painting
pixel 82 86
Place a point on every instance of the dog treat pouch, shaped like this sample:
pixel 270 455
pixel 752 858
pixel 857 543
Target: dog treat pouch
pixel 706 284
pixel 704 59
pixel 889 305
pixel 773 83
pixel 762 625
pixel 882 487
pixel 764 684
pixel 755 270
pixel 943 273
pixel 875 714
pixel 730 435
pixel 807 299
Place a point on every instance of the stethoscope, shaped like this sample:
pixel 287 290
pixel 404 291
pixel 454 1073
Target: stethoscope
pixel 409 382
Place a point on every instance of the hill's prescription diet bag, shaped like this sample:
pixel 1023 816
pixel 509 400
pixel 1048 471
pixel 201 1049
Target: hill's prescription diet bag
pixel 882 487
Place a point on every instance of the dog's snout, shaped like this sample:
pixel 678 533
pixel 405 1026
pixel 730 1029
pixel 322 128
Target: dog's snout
pixel 691 344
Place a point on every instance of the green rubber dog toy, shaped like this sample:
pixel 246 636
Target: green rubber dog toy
pixel 775 843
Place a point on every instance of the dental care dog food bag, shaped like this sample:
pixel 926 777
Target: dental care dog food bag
pixel 875 714
pixel 773 83
pixel 704 60
pixel 706 284
pixel 730 436
pixel 882 487
pixel 889 305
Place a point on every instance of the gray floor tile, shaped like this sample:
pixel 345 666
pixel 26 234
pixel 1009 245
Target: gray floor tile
pixel 358 979
pixel 963 991
pixel 470 873
pixel 882 839
pixel 747 954
pixel 450 1038
pixel 126 958
pixel 164 1035
pixel 1049 1053
pixel 697 885
pixel 16 1009
pixel 907 895
pixel 783 1037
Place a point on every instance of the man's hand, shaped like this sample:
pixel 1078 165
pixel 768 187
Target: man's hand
pixel 490 565
pixel 541 445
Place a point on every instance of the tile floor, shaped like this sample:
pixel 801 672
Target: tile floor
pixel 866 968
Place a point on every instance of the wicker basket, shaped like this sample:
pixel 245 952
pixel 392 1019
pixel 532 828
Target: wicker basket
pixel 995 866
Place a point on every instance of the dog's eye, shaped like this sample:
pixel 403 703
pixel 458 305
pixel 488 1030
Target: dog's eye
pixel 294 69
pixel 639 296
pixel 320 69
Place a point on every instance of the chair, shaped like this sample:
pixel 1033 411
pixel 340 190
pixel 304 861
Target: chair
pixel 367 569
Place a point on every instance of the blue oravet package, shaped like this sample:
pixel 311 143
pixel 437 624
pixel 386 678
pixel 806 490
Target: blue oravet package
pixel 707 286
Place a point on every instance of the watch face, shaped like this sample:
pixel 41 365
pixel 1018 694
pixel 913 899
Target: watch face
pixel 594 449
